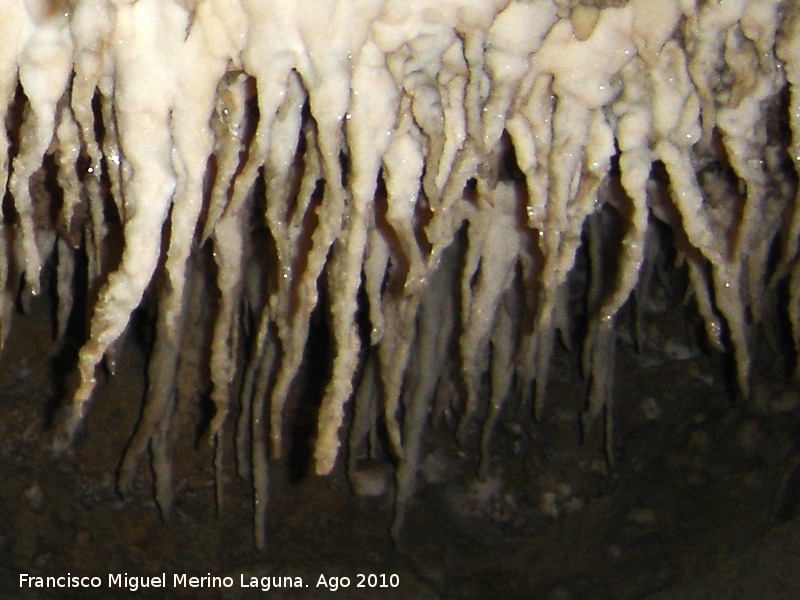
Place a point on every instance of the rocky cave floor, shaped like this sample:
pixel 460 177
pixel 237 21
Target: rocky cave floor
pixel 700 479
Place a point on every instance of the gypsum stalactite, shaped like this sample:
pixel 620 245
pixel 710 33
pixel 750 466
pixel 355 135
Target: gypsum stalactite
pixel 365 136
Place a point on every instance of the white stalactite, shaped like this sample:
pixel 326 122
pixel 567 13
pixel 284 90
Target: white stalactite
pixel 391 147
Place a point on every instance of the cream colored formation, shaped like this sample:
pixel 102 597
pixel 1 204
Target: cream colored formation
pixel 151 104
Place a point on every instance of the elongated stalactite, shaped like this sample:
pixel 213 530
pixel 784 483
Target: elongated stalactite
pixel 428 169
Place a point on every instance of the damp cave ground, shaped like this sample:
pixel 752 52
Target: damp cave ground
pixel 700 477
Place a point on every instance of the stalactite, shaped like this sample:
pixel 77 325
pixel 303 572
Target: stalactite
pixel 504 340
pixel 147 146
pixel 497 221
pixel 65 272
pixel 422 175
pixel 44 69
pixel 369 130
pixel 91 28
pixel 435 324
pixel 364 417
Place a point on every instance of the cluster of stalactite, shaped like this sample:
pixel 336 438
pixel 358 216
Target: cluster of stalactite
pixel 430 166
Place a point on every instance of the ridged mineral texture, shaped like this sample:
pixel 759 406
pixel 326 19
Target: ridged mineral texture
pixel 423 170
